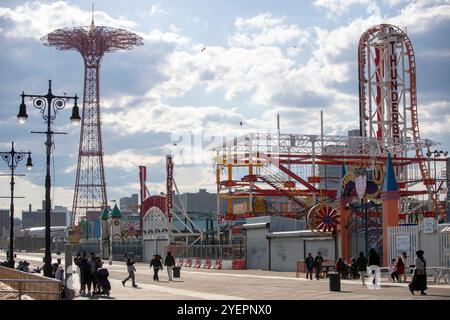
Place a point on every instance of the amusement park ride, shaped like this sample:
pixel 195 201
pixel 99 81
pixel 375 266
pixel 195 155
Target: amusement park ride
pixel 353 186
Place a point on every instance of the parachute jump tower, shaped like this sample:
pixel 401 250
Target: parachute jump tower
pixel 92 43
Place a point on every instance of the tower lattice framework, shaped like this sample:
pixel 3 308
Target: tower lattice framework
pixel 92 42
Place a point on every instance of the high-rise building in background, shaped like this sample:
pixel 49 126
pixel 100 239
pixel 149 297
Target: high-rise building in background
pixel 129 205
pixel 32 219
pixel 201 201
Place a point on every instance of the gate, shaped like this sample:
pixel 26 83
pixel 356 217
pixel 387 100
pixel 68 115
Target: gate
pixel 403 239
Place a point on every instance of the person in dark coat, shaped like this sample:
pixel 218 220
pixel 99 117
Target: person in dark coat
pixel 309 261
pixel 86 275
pixel 374 258
pixel 342 268
pixel 318 260
pixel 169 263
pixel 419 280
pixel 157 265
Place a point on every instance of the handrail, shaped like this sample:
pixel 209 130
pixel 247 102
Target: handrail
pixel 20 290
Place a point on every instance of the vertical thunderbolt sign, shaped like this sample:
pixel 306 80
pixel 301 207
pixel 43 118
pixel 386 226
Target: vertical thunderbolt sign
pixel 393 74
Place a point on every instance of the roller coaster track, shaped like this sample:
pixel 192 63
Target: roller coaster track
pixel 412 108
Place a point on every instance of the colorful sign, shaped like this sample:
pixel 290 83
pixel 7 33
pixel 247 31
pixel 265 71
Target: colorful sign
pixel 394 97
pixel 131 226
pixel 169 182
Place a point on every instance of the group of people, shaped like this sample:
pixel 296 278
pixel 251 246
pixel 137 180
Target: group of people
pixel 359 266
pixel 313 263
pixel 156 263
pixel 93 276
pixel 397 268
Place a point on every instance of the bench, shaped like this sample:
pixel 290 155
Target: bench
pixel 439 273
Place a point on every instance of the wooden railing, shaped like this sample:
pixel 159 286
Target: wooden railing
pixel 34 285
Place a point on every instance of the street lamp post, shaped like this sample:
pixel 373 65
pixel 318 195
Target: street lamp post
pixel 12 158
pixel 49 105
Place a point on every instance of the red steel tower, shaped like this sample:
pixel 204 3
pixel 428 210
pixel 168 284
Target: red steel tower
pixel 92 42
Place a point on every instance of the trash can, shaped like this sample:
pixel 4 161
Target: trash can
pixel 335 281
pixel 176 272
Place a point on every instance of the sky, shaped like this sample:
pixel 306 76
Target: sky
pixel 260 58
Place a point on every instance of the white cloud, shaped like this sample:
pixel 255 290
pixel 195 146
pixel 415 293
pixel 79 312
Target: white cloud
pixel 156 9
pixel 266 30
pixel 35 19
pixel 147 118
pixel 434 118
pixel 129 160
pixel 157 36
pixel 339 6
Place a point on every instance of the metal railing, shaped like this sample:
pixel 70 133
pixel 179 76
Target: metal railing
pixel 21 291
pixel 224 252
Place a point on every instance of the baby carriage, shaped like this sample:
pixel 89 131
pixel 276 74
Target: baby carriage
pixel 102 279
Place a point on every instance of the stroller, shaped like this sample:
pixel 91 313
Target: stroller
pixel 102 279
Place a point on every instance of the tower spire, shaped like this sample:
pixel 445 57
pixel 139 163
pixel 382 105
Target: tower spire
pixel 90 183
pixel 92 23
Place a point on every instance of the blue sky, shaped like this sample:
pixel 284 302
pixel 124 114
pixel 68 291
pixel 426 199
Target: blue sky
pixel 168 89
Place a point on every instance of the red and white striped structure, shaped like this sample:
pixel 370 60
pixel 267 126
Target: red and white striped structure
pixel 388 97
pixel 387 91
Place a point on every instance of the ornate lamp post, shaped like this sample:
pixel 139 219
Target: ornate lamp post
pixel 49 105
pixel 12 158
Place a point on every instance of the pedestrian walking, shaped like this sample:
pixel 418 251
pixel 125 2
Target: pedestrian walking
pixel 318 260
pixel 374 260
pixel 131 269
pixel 419 280
pixel 309 261
pixel 157 265
pixel 169 263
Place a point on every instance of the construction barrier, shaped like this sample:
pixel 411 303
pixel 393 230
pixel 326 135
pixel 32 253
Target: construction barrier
pixel 189 263
pixel 180 262
pixel 198 263
pixel 203 263
pixel 218 264
pixel 208 264
pixel 227 264
pixel 239 264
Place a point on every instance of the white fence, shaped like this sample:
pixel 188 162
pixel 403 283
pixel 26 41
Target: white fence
pixel 411 238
